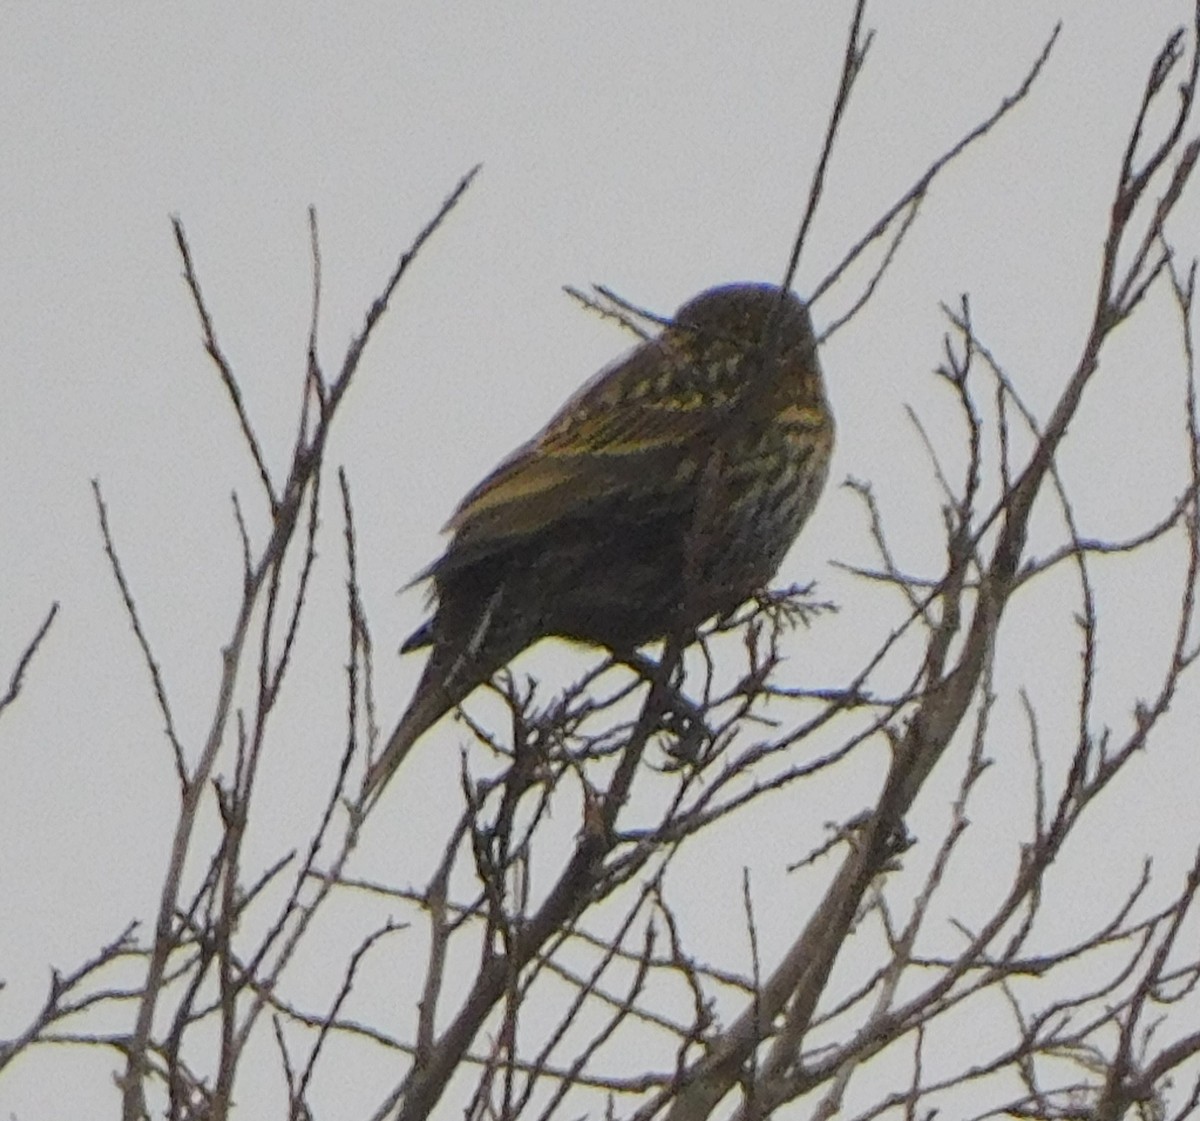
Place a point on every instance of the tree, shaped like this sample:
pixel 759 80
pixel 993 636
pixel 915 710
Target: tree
pixel 922 956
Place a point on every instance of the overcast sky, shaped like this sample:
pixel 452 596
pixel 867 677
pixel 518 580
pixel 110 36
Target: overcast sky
pixel 658 148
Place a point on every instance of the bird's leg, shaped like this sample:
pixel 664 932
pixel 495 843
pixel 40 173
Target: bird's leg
pixel 681 717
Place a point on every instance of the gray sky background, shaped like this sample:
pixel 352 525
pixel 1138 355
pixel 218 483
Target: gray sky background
pixel 655 148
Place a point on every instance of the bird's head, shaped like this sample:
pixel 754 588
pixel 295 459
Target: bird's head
pixel 737 332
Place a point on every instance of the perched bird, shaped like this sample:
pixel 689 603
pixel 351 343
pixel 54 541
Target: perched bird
pixel 665 492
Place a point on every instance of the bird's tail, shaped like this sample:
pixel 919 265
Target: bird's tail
pixel 450 676
pixel 429 704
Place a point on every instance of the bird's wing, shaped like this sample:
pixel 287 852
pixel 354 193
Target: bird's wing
pixel 633 427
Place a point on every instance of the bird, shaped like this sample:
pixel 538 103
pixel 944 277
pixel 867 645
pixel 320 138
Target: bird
pixel 664 493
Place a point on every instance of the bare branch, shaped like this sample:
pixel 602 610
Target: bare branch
pixel 31 648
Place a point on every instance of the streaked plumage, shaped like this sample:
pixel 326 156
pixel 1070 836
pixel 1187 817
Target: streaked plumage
pixel 665 492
